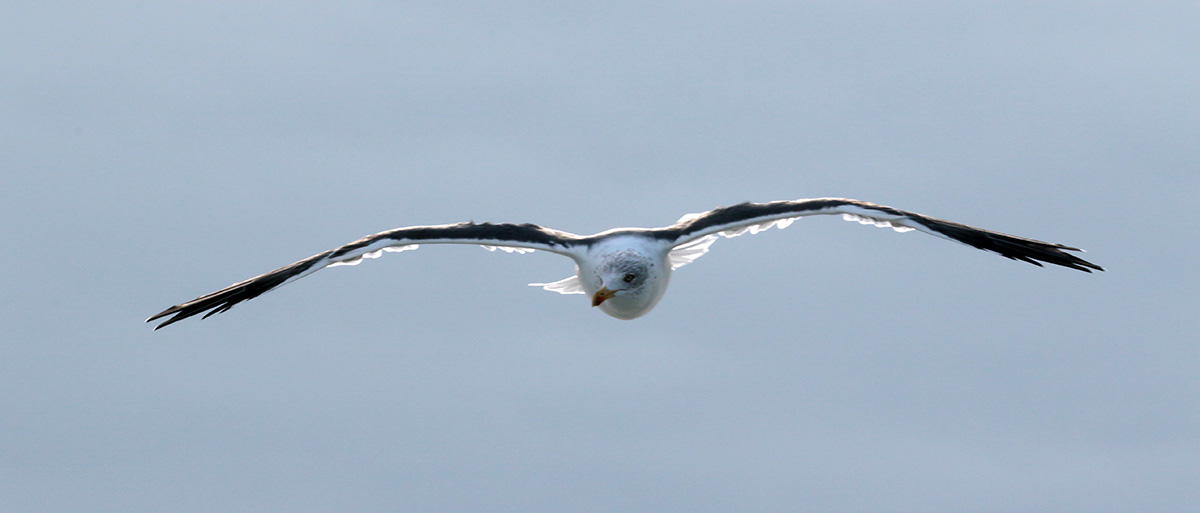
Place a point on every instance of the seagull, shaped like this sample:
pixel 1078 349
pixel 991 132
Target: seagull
pixel 625 270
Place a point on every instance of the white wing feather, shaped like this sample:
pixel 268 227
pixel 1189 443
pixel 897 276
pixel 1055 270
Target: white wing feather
pixel 508 249
pixel 687 253
pixel 568 285
pixel 375 254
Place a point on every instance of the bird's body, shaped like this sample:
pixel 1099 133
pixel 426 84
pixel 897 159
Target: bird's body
pixel 626 271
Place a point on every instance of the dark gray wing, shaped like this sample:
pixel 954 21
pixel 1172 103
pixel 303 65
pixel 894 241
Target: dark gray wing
pixel 694 232
pixel 511 237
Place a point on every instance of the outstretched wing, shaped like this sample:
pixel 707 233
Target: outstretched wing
pixel 508 237
pixel 693 233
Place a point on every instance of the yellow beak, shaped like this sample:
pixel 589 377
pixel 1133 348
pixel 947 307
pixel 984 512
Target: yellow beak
pixel 602 295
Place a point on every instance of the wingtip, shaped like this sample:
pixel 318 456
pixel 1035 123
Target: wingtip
pixel 167 322
pixel 162 314
pixel 1081 264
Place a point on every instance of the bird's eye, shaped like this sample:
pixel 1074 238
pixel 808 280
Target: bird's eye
pixel 629 277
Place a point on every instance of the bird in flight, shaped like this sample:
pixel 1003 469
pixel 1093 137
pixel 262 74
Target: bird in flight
pixel 625 270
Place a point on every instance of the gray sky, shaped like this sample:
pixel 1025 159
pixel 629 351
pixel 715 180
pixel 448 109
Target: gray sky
pixel 153 153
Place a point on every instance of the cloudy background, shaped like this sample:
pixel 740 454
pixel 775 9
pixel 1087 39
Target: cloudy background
pixel 152 152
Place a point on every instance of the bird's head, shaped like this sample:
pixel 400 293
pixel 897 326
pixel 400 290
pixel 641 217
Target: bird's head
pixel 630 284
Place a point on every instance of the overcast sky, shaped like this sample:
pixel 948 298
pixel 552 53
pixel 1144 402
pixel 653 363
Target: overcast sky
pixel 152 152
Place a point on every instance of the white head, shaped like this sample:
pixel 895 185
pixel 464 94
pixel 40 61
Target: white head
pixel 626 283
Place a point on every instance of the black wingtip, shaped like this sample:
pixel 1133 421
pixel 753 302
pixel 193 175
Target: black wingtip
pixel 1078 263
pixel 1032 251
pixel 165 313
pixel 161 315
